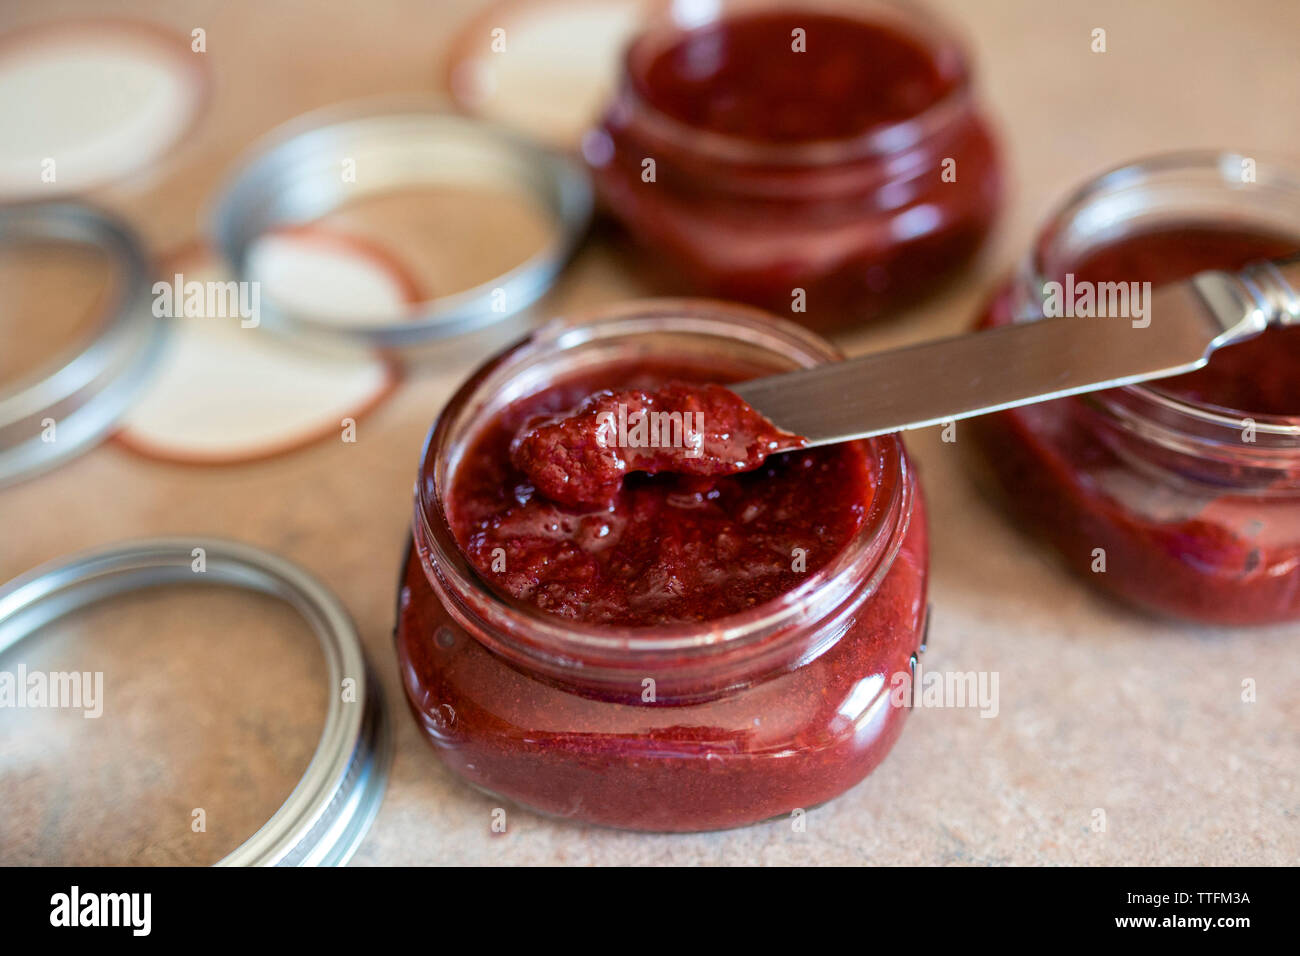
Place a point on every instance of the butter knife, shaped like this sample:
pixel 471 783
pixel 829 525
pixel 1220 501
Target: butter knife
pixel 1026 362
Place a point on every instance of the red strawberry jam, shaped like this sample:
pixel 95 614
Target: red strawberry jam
pixel 551 515
pixel 697 651
pixel 796 76
pixel 581 457
pixel 1257 377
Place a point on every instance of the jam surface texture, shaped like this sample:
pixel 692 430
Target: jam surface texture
pixel 1260 376
pixel 553 512
pixel 795 76
pixel 580 458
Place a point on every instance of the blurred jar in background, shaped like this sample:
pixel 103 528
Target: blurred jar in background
pixel 1180 496
pixel 824 159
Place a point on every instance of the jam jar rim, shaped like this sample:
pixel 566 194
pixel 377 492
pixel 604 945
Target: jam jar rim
pixel 877 542
pixel 885 140
pixel 1140 405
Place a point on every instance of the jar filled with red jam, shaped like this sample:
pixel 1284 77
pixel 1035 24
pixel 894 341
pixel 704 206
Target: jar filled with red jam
pixel 690 651
pixel 822 159
pixel 1181 496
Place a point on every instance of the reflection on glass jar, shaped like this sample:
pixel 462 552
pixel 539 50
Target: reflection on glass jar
pixel 823 159
pixel 1182 496
pixel 703 653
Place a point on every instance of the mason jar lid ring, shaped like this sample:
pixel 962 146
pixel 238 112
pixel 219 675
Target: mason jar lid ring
pixel 330 810
pixel 293 176
pixel 67 406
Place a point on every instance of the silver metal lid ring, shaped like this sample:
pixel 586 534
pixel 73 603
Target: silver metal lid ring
pixel 67 407
pixel 329 811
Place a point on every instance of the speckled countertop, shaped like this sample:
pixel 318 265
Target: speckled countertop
pixel 1100 708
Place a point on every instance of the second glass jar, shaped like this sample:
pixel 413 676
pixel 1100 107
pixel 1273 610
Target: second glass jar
pixel 828 181
pixel 1181 496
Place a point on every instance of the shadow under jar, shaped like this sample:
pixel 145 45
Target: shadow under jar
pixel 669 663
pixel 1180 496
pixel 820 158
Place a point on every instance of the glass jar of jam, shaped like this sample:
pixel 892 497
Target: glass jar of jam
pixel 1182 496
pixel 820 158
pixel 701 653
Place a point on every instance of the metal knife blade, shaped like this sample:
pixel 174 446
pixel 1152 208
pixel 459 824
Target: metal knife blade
pixel 1027 362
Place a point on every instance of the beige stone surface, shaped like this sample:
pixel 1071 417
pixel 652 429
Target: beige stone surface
pixel 1100 708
